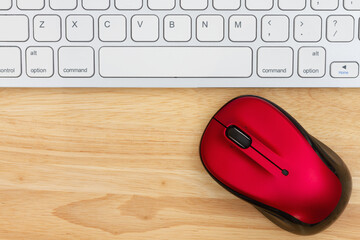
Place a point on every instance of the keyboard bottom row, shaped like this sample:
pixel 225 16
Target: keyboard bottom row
pixel 172 62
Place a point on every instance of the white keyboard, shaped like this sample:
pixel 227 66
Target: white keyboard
pixel 179 43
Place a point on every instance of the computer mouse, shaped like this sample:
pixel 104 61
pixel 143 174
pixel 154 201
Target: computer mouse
pixel 260 153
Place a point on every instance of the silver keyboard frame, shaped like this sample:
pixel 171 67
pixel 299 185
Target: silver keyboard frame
pixel 339 52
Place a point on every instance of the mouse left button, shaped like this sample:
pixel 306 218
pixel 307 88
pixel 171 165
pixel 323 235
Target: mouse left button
pixel 238 137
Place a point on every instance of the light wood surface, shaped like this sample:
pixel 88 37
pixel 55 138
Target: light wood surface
pixel 124 163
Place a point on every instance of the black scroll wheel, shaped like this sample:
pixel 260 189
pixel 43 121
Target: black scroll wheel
pixel 238 137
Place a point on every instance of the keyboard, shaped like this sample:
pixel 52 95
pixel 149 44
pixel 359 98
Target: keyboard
pixel 179 43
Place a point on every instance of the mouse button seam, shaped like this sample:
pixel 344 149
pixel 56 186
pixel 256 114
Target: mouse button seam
pixel 263 162
pixel 219 122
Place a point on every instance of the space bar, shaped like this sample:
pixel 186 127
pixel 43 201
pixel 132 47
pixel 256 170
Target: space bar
pixel 172 62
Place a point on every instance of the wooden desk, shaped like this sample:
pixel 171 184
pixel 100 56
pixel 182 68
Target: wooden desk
pixel 124 164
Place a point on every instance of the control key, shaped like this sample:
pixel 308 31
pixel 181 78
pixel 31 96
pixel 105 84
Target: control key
pixel 10 62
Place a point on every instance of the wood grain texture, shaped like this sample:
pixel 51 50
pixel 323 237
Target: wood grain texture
pixel 124 163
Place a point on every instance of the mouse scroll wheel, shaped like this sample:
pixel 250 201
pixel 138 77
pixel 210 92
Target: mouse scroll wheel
pixel 238 137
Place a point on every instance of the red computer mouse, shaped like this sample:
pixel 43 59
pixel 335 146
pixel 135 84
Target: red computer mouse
pixel 258 152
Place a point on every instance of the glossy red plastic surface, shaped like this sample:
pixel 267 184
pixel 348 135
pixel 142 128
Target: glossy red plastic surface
pixel 309 193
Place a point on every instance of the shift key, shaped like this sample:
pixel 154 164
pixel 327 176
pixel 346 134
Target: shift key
pixel 10 62
pixel 14 28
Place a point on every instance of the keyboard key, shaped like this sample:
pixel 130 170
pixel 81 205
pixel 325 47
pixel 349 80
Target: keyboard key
pixel 275 28
pixel 280 66
pixel 14 28
pixel 194 4
pixel 76 62
pixel 5 4
pixel 177 28
pixel 197 62
pixel 145 28
pixel 79 28
pixel 112 28
pixel 39 62
pixel 352 4
pixel 96 4
pixel 345 69
pixel 161 4
pixel 340 28
pixel 63 4
pixel 210 28
pixel 128 4
pixel 259 4
pixel 312 62
pixel 47 28
pixel 242 28
pixel 292 4
pixel 324 4
pixel 227 4
pixel 30 4
pixel 308 28
pixel 10 62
